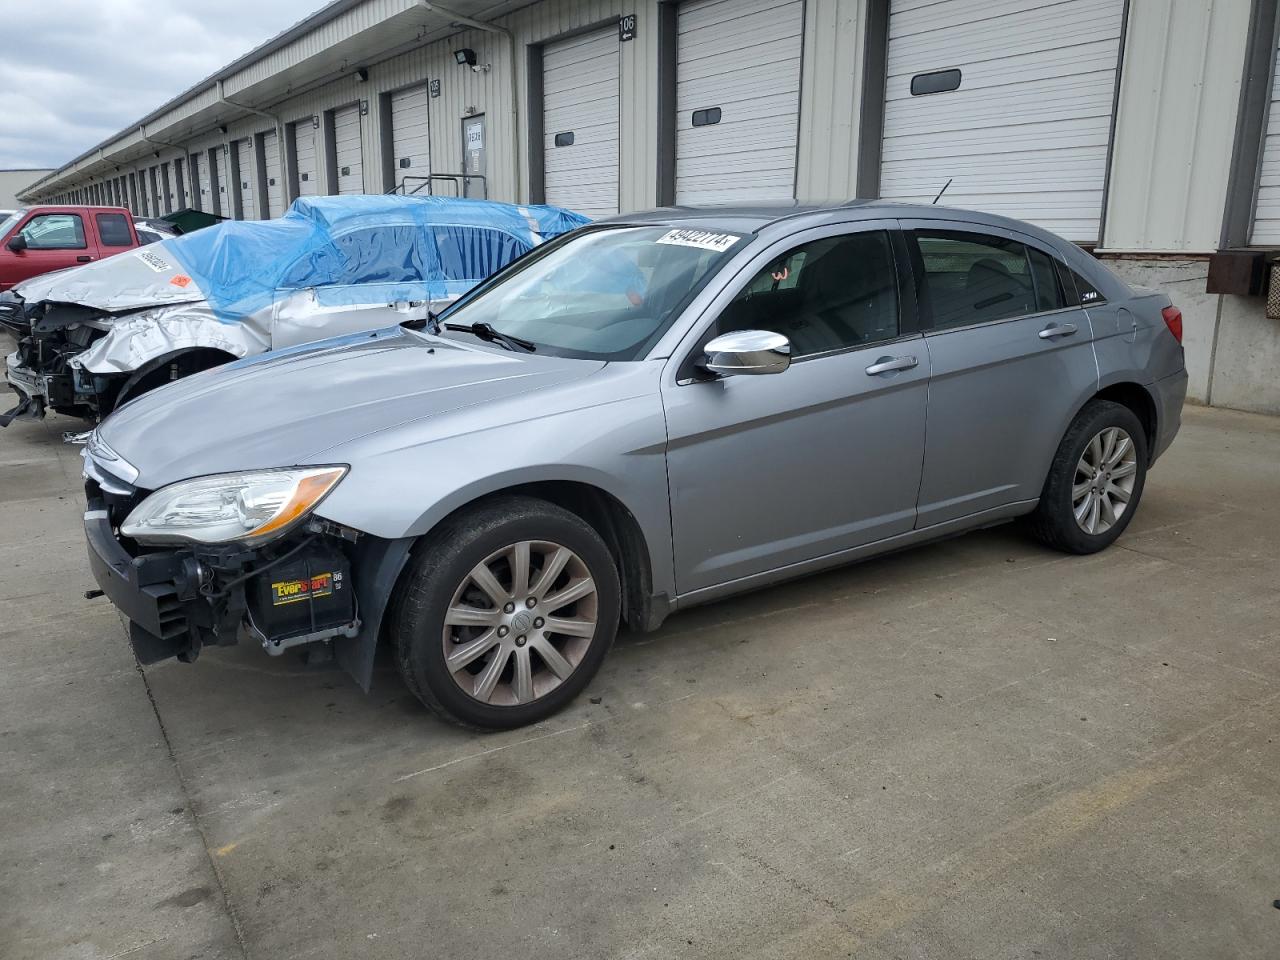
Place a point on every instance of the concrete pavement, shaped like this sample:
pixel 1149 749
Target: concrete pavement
pixel 974 749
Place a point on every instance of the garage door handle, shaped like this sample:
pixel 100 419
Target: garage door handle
pixel 1057 330
pixel 890 364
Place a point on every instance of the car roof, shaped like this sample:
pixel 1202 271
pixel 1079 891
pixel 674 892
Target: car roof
pixel 754 217
pixel 68 206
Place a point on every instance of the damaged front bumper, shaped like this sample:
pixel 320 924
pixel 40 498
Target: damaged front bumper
pixel 323 584
pixel 32 390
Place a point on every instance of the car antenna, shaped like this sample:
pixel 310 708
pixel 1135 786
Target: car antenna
pixel 943 190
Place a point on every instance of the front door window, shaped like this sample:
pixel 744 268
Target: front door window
pixel 825 295
pixel 54 231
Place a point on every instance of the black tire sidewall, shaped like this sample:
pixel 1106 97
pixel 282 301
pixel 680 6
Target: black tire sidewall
pixel 440 569
pixel 1057 506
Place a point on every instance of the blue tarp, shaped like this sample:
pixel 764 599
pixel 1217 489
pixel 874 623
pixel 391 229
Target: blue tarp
pixel 417 248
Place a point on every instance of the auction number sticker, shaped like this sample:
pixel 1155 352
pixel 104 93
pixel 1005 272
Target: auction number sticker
pixel 158 264
pixel 702 239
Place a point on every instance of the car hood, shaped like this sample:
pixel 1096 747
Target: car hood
pixel 144 277
pixel 289 407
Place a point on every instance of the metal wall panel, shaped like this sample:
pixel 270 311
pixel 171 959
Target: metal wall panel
pixel 831 99
pixel 580 122
pixel 1027 132
pixel 1179 100
pixel 741 58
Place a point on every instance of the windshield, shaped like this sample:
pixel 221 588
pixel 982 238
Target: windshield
pixel 601 294
pixel 9 222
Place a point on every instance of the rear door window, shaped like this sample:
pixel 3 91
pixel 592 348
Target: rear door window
pixel 55 231
pixel 974 278
pixel 473 253
pixel 113 230
pixel 406 254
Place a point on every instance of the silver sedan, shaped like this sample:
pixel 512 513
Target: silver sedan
pixel 649 413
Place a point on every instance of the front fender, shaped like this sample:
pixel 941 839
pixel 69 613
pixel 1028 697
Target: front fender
pixel 140 338
pixel 400 488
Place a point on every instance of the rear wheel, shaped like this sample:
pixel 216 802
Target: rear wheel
pixel 1095 482
pixel 506 614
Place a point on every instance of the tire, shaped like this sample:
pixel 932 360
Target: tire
pixel 441 596
pixel 1054 521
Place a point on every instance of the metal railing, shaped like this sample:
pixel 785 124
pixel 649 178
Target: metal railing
pixel 460 181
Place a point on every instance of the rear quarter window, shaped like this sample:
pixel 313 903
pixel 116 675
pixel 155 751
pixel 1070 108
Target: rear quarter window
pixel 113 230
pixel 1086 292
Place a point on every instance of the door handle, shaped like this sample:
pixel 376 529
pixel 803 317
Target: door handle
pixel 83 259
pixel 890 364
pixel 1057 330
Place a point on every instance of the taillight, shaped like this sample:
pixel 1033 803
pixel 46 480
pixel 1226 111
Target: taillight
pixel 1173 320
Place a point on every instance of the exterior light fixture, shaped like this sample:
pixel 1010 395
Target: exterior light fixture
pixel 466 57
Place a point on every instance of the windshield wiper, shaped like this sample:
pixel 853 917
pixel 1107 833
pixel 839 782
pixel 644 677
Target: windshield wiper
pixel 487 333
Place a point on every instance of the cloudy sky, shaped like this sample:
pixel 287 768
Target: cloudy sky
pixel 73 72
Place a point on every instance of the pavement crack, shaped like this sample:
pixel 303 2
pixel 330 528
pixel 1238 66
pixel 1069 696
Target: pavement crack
pixel 228 906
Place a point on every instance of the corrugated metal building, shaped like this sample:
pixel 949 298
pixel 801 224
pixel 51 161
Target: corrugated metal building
pixel 1148 130
pixel 16 182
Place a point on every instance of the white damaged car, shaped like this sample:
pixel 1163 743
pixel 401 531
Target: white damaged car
pixel 91 338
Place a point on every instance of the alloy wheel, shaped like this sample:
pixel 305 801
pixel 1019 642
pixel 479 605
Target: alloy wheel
pixel 520 623
pixel 1104 480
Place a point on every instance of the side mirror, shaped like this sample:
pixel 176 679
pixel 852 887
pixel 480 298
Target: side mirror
pixel 17 243
pixel 747 351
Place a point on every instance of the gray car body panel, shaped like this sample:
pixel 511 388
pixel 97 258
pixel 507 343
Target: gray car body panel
pixel 765 477
pixel 976 371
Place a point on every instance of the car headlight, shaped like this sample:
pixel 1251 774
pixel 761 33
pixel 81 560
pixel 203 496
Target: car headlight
pixel 251 507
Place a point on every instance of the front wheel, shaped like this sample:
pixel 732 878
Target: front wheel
pixel 1095 482
pixel 507 613
pixel 164 371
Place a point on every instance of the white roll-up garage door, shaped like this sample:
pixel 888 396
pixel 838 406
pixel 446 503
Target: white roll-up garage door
pixel 200 164
pixel 410 136
pixel 346 144
pixel 154 180
pixel 245 182
pixel 221 195
pixel 580 122
pixel 304 151
pixel 271 160
pixel 737 99
pixel 166 186
pixel 1025 132
pixel 1266 214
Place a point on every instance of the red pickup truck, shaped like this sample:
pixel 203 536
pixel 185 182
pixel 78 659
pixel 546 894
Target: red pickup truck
pixel 49 237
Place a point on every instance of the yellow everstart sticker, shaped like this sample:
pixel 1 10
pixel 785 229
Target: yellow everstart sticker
pixel 291 591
